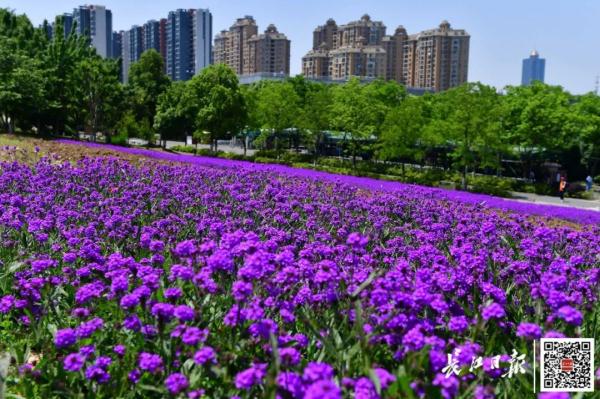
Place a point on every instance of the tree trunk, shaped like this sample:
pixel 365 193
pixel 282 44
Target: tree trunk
pixel 245 145
pixel 216 145
pixel 464 178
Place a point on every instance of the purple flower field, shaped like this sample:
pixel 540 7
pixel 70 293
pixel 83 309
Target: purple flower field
pixel 223 279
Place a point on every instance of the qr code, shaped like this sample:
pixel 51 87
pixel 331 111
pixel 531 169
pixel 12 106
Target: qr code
pixel 567 364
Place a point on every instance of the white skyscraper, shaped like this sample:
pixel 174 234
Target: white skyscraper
pixel 202 39
pixel 95 22
pixel 125 55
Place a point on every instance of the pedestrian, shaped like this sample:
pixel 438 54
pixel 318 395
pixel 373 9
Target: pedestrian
pixel 562 187
pixel 588 183
pixel 531 176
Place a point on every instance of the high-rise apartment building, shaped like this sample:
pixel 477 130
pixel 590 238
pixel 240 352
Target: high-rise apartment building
pixel 101 30
pixel 188 42
pixel 66 22
pixel 136 43
pixel 152 35
pixel 162 40
pixel 179 45
pixel 231 46
pixel 533 69
pixel 269 52
pixel 435 59
pixel 93 21
pixel 117 44
pixel 201 39
pixel 82 20
pixel 125 55
pixel 247 52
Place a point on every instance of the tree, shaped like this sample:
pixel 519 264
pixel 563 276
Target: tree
pixel 584 121
pixel 278 109
pixel 221 108
pixel 61 59
pixel 402 130
pixel 315 116
pixel 353 113
pixel 467 117
pixel 21 86
pixel 100 92
pixel 175 113
pixel 146 83
pixel 534 116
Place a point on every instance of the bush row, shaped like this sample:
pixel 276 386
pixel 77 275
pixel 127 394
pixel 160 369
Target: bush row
pixel 432 177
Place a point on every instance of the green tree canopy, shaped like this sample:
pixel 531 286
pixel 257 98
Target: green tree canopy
pixel 221 108
pixel 147 81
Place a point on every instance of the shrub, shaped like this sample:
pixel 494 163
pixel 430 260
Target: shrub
pixel 118 139
pixel 184 148
pixel 491 185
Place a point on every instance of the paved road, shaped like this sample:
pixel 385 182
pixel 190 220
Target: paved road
pixel 548 200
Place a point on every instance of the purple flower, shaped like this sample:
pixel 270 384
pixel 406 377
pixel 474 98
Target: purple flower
pixel 365 389
pixel 97 373
pixel 289 356
pixel 173 293
pixel 184 313
pixel 176 383
pixel 65 338
pixel 529 331
pixel 324 389
pixel 205 355
pixel 130 301
pixel 493 311
pixel 290 382
pixel 570 315
pixel 185 249
pixel 73 362
pixel 252 376
pixel 194 335
pixel 385 377
pixel 413 340
pixel 85 330
pixel 134 376
pixel 6 303
pixel 317 371
pixel 357 241
pixel 150 362
pixel 458 324
pixel 119 350
pixel 163 311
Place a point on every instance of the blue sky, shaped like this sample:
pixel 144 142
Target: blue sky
pixel 502 32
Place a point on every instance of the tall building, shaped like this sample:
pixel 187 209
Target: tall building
pixel 231 47
pixel 179 45
pixel 117 44
pixel 533 69
pixel 162 40
pixel 125 55
pixel 136 43
pixel 438 59
pixel 93 21
pixel 82 20
pixel 101 24
pixel 435 59
pixel 152 35
pixel 201 39
pixel 269 52
pixel 67 21
pixel 247 52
